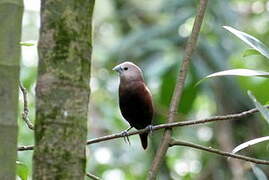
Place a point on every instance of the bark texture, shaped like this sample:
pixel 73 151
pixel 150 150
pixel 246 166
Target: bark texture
pixel 62 92
pixel 10 36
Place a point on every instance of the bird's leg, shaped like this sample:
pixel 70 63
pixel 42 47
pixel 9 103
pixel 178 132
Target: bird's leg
pixel 150 129
pixel 125 135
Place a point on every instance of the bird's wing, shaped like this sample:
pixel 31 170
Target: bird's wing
pixel 136 104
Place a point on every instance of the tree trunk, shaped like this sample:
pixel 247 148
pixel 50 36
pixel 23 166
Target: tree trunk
pixel 62 92
pixel 10 36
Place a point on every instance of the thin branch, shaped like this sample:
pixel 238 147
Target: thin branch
pixel 178 124
pixel 93 176
pixel 25 113
pixel 191 44
pixel 214 118
pixel 26 148
pixel 216 151
pixel 167 125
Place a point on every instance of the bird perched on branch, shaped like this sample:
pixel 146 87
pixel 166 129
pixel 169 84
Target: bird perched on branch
pixel 134 99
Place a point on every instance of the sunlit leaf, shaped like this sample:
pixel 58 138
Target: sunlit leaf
pixel 259 173
pixel 27 43
pixel 250 52
pixel 250 40
pixel 237 72
pixel 240 72
pixel 249 143
pixel 263 110
pixel 22 170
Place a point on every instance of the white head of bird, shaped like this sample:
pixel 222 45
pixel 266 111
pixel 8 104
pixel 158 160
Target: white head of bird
pixel 128 71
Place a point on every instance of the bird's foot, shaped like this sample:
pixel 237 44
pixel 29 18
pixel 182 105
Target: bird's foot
pixel 125 135
pixel 150 129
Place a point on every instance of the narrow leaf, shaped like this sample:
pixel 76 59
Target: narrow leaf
pixel 250 40
pixel 237 72
pixel 250 52
pixel 263 110
pixel 249 143
pixel 22 170
pixel 240 72
pixel 27 43
pixel 258 172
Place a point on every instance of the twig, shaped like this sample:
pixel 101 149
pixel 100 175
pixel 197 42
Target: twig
pixel 93 176
pixel 191 44
pixel 167 125
pixel 216 151
pixel 177 124
pixel 25 113
pixel 26 148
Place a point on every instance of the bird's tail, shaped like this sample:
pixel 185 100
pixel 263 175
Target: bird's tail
pixel 144 140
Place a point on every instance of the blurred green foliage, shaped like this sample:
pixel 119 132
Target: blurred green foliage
pixel 22 170
pixel 153 34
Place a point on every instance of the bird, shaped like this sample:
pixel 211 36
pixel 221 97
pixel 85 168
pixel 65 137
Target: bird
pixel 135 99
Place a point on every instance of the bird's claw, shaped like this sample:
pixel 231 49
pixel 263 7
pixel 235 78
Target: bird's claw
pixel 150 129
pixel 125 136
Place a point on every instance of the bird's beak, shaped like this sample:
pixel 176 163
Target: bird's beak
pixel 118 68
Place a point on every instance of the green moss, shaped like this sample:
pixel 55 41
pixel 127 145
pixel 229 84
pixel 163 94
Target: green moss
pixel 63 89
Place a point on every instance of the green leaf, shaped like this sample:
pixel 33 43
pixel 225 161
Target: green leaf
pixel 250 40
pixel 22 170
pixel 250 52
pixel 249 143
pixel 27 44
pixel 263 110
pixel 189 93
pixel 237 72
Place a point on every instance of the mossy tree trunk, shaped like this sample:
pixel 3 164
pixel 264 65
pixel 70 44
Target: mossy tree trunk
pixel 62 92
pixel 10 36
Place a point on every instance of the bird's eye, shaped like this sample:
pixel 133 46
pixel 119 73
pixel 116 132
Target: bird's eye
pixel 125 69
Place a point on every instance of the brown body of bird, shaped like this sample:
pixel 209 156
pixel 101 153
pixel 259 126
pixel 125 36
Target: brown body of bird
pixel 135 99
